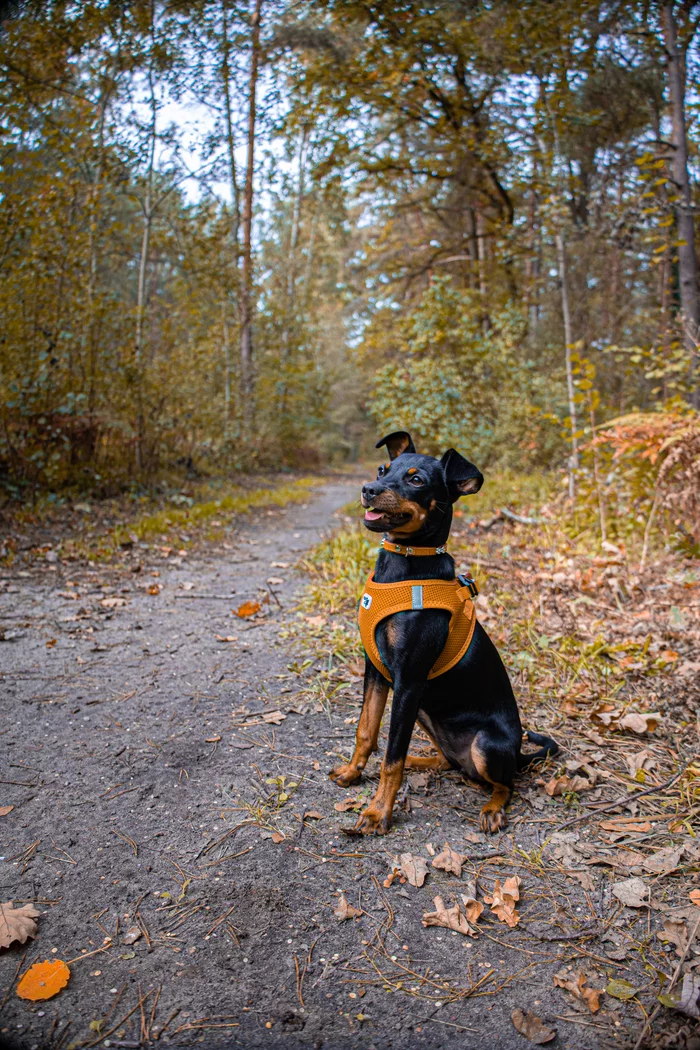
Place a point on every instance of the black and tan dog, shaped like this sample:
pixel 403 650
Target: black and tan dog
pixel 469 711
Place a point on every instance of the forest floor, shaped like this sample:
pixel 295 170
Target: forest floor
pixel 166 764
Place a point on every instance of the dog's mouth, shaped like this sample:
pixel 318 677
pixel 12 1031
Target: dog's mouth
pixel 383 520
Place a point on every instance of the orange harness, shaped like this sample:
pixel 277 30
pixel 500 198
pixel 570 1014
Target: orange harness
pixel 380 600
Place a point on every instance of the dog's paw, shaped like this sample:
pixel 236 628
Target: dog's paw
pixel 492 820
pixel 371 822
pixel 344 776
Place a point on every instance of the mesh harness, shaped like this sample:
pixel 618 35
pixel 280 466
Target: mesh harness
pixel 380 600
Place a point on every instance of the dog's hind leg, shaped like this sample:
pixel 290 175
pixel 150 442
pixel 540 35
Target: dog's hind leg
pixel 496 765
pixel 367 735
pixel 427 762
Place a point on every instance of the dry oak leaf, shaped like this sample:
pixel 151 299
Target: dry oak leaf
pixel 16 924
pixel 563 785
pixel 532 1027
pixel 43 980
pixel 448 918
pixel 664 861
pixel 449 860
pixel 472 907
pixel 634 893
pixel 248 609
pixel 414 868
pixel 640 721
pixel 274 717
pixel 348 803
pixel 504 898
pixel 4 810
pixel 345 910
pixel 675 933
pixel 695 897
pixel 577 987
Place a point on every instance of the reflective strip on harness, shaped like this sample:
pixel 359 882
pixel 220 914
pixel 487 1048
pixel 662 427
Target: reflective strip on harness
pixel 380 600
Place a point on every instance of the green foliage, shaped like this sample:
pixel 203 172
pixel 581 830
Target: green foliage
pixel 454 383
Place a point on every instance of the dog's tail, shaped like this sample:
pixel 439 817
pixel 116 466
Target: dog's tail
pixel 549 747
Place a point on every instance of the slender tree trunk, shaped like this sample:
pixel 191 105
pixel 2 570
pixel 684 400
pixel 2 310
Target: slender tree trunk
pixel 687 260
pixel 230 136
pixel 532 268
pixel 143 264
pixel 291 273
pixel 246 294
pixel 568 339
pixel 227 371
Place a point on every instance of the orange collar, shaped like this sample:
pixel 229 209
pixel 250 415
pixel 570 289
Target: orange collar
pixel 399 548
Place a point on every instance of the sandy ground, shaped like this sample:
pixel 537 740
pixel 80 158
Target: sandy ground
pixel 181 835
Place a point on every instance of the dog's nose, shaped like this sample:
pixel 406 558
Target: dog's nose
pixel 369 492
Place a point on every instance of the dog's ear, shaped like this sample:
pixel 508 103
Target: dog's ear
pixel 397 443
pixel 462 477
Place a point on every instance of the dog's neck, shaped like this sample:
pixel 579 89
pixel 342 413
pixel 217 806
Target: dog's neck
pixel 393 568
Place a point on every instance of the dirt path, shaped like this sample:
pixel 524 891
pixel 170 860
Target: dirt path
pixel 158 814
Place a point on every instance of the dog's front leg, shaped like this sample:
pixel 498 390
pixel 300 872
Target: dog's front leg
pixel 376 819
pixel 375 694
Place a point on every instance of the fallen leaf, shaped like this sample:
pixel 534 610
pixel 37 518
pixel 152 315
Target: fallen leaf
pixel 634 893
pixel 248 609
pixel 449 860
pixel 695 897
pixel 16 924
pixel 4 810
pixel 132 935
pixel 345 910
pixel 564 785
pixel 279 564
pixel 663 861
pixel 274 717
pixel 277 837
pixel 312 814
pixel 448 918
pixel 643 760
pixel 111 603
pixel 503 900
pixel 688 1001
pixel 212 739
pixel 675 933
pixel 640 722
pixel 621 989
pixel 472 907
pixel 154 588
pixel 43 980
pixel 186 585
pixel 577 987
pixel 584 878
pixel 226 637
pixel 532 1027
pixel 414 868
pixel 348 803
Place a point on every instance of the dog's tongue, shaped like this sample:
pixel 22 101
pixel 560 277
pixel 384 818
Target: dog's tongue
pixel 373 515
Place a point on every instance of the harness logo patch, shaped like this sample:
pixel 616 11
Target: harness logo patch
pixel 366 601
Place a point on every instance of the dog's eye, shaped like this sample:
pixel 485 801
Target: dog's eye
pixel 381 471
pixel 415 480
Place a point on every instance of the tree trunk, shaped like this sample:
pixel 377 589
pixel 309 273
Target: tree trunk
pixel 143 263
pixel 687 260
pixel 246 295
pixel 230 138
pixel 291 273
pixel 568 339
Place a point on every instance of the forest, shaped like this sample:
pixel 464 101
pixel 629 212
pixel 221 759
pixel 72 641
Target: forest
pixel 242 235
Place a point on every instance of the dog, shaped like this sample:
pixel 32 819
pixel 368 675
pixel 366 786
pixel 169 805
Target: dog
pixel 469 711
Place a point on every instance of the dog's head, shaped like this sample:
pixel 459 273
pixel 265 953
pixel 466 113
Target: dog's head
pixel 414 493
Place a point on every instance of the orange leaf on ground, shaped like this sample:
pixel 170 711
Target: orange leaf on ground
pixel 450 860
pixel 577 987
pixel 4 810
pixel 43 980
pixel 345 910
pixel 248 609
pixel 532 1027
pixel 504 898
pixel 695 897
pixel 448 918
